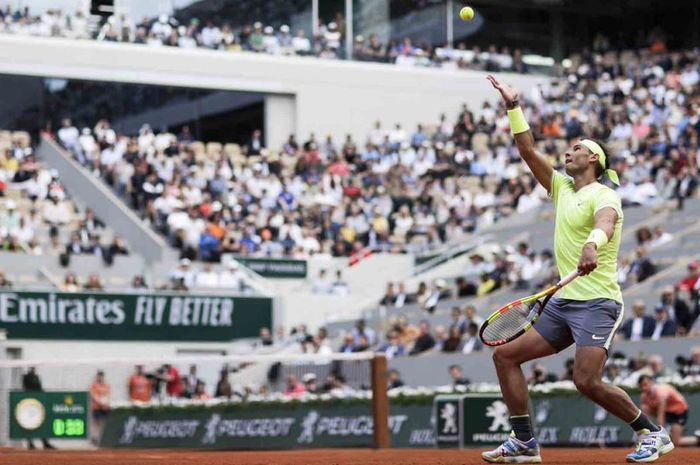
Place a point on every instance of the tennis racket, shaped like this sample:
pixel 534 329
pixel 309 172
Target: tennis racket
pixel 512 320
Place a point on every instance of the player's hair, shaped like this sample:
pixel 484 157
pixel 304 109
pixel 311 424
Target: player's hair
pixel 599 170
pixel 643 378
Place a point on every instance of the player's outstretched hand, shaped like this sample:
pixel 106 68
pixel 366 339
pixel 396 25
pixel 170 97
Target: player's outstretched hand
pixel 589 259
pixel 507 92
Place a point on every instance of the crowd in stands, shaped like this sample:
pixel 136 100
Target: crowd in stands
pixel 36 211
pixel 675 314
pixel 328 43
pixel 407 190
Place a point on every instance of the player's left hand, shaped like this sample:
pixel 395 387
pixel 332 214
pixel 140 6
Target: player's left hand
pixel 589 259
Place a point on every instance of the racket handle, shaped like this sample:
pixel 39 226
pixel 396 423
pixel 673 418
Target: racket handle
pixel 568 278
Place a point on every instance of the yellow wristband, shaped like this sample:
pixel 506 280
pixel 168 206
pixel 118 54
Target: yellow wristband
pixel 517 121
pixel 598 237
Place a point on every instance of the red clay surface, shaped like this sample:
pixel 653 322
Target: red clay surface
pixel 680 456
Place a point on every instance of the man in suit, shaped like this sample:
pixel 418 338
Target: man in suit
pixel 640 326
pixel 677 309
pixel 641 267
pixel 665 326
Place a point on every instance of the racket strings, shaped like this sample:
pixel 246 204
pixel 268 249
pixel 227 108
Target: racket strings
pixel 509 323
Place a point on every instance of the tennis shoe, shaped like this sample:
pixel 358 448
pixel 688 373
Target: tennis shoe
pixel 514 451
pixel 650 446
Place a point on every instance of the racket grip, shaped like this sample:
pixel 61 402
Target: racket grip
pixel 568 278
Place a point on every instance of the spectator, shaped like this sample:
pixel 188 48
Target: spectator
pixel 311 383
pixel 301 44
pixel 99 405
pixel 233 278
pixel 70 283
pixel 392 347
pixel 389 298
pixel 425 340
pixel 294 388
pixel 140 387
pixel 200 392
pixel 454 341
pixel 641 267
pixel 322 285
pixel 94 283
pixel 689 283
pixel 394 380
pixel 539 375
pixel 471 316
pixel 457 378
pixel 68 135
pixel 184 273
pixel 207 278
pixel 402 297
pixel 4 282
pixel 320 343
pixel 118 246
pixel 677 309
pixel 487 285
pixel 440 337
pixel 348 345
pixel 32 383
pixel 361 330
pixel 664 326
pixel 660 237
pixel 74 246
pixel 223 386
pixel 340 287
pixel 173 382
pixel 190 382
pixel 472 342
pixel 639 326
pixel 569 370
pixel 266 337
pixel 138 284
pixel 458 320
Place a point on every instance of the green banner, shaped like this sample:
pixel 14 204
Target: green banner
pixel 294 425
pixel 482 420
pixel 133 317
pixel 61 415
pixel 275 267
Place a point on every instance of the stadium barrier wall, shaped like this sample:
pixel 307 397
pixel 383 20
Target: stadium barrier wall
pixel 306 94
pixel 417 371
pixel 413 422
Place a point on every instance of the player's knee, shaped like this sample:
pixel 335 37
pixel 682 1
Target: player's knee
pixel 586 384
pixel 501 356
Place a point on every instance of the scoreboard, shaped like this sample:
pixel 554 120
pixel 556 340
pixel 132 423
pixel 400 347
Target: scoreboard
pixel 51 415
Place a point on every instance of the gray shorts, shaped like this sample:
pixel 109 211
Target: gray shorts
pixel 587 323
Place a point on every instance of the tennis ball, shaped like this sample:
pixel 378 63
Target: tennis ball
pixel 466 13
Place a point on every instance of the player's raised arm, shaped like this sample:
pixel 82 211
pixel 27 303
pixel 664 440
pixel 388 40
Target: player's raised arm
pixel 540 167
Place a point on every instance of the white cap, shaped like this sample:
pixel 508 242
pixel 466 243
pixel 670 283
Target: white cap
pixel 284 28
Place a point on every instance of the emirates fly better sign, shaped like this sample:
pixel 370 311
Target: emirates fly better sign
pixel 130 316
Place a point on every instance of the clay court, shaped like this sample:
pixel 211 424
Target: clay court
pixel 680 456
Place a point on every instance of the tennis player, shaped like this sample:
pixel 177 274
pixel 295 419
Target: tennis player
pixel 588 311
